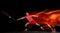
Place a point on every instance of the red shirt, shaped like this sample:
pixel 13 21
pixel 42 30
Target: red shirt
pixel 29 18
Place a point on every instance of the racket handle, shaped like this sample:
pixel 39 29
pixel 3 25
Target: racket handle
pixel 10 17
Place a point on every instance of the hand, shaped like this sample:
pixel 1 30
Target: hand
pixel 34 15
pixel 18 19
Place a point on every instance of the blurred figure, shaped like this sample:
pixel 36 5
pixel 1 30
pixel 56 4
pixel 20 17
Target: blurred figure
pixel 30 19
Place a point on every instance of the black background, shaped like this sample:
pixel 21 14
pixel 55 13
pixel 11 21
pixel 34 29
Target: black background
pixel 17 8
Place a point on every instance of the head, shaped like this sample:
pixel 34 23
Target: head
pixel 27 13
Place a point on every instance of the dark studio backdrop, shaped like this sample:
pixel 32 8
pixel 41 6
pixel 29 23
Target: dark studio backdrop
pixel 18 8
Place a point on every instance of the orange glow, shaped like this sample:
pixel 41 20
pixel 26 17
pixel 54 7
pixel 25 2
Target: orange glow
pixel 50 18
pixel 54 16
pixel 47 16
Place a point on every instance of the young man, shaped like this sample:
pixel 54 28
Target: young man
pixel 30 19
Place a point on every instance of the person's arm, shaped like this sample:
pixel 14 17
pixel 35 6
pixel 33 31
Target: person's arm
pixel 34 15
pixel 20 18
